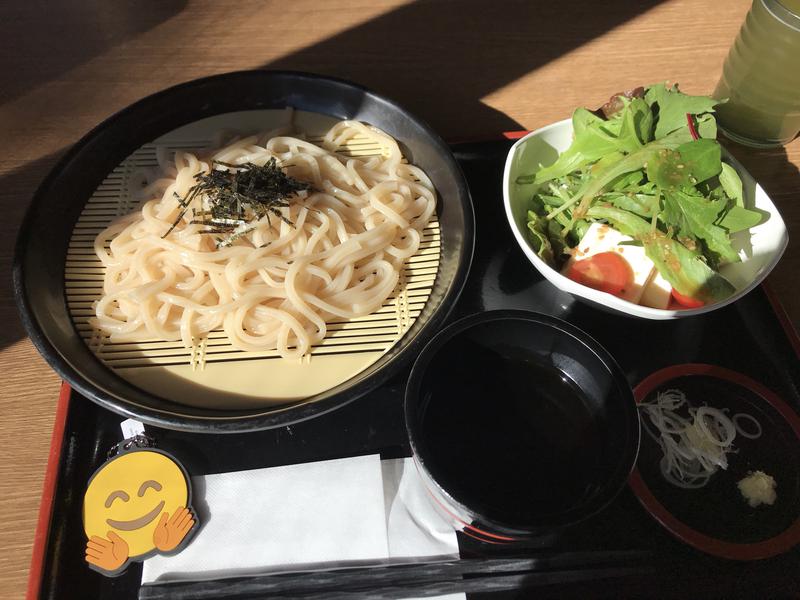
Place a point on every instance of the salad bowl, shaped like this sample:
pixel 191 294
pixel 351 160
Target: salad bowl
pixel 759 248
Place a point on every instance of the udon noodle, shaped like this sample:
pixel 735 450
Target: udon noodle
pixel 336 252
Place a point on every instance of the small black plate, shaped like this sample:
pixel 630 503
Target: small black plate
pixel 716 518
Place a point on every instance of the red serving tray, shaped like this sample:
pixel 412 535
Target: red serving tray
pixel 43 529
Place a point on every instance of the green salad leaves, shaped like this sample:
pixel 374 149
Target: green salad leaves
pixel 648 165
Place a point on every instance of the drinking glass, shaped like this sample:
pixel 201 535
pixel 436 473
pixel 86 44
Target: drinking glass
pixel 761 77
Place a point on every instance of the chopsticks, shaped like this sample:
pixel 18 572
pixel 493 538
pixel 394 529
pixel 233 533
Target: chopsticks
pixel 418 579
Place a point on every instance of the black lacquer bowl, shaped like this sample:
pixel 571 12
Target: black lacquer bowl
pixel 42 245
pixel 521 424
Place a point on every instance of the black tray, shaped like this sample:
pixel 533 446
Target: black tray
pixel 748 336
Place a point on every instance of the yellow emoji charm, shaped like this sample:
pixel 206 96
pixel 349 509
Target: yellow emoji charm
pixel 136 505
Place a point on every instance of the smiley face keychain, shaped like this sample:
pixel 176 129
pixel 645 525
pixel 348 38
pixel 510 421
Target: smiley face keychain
pixel 137 504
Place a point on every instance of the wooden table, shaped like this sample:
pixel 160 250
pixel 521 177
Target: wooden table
pixel 469 68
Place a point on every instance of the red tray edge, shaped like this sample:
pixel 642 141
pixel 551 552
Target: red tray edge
pixel 48 493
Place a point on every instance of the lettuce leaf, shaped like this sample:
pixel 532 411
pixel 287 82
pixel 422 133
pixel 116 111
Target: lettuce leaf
pixel 689 164
pixel 732 184
pixel 737 218
pixel 595 138
pixel 538 235
pixel 673 106
pixel 695 216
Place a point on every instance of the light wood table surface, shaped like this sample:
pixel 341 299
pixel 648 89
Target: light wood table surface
pixel 470 69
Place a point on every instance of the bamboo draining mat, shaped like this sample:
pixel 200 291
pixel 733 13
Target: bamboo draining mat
pixel 212 373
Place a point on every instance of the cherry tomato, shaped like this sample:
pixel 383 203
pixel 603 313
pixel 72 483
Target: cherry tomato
pixel 673 305
pixel 606 271
pixel 686 301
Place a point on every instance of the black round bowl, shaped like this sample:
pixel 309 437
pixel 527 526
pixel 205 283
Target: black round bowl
pixel 520 423
pixel 43 238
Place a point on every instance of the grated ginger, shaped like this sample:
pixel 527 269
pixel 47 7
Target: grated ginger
pixel 758 488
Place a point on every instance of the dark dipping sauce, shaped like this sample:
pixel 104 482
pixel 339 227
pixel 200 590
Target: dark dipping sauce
pixel 512 437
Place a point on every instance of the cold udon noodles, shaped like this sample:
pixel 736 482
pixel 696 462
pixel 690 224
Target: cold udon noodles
pixel 334 252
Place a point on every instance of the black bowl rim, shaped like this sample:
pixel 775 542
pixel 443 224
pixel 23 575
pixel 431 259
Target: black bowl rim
pixel 252 421
pixel 625 465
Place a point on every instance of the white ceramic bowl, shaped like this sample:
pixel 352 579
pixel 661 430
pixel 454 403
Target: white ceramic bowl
pixel 760 247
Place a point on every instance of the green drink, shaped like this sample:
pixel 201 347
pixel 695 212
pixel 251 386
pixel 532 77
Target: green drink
pixel 761 77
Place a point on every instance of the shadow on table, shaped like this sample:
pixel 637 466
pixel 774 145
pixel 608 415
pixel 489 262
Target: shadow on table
pixel 33 60
pixel 771 168
pixel 30 60
pixel 780 179
pixel 19 185
pixel 485 46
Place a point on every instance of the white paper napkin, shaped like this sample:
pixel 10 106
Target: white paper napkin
pixel 346 512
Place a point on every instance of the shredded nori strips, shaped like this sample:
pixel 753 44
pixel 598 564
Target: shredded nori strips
pixel 239 195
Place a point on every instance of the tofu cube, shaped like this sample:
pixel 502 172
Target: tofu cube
pixel 657 293
pixel 603 238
